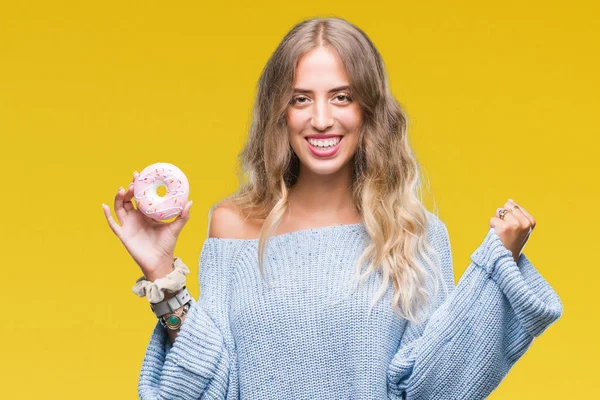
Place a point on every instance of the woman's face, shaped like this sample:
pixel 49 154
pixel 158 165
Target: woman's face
pixel 322 107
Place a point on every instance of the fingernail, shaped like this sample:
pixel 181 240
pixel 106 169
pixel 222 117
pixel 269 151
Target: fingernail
pixel 103 205
pixel 510 199
pixel 191 202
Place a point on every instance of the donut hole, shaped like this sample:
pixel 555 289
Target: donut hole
pixel 161 191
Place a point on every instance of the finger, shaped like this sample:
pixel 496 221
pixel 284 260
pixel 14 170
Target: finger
pixel 187 209
pixel 522 218
pixel 127 204
pixel 496 222
pixel 524 211
pixel 185 213
pixel 182 219
pixel 516 214
pixel 133 179
pixel 111 222
pixel 135 175
pixel 119 210
pixel 507 217
pixel 498 211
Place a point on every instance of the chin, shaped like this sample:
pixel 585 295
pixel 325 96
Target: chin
pixel 324 167
pixel 324 171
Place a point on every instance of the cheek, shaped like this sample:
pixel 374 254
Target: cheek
pixel 294 128
pixel 352 142
pixel 352 118
pixel 294 120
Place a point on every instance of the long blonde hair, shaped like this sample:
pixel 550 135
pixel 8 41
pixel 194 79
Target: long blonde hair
pixel 385 172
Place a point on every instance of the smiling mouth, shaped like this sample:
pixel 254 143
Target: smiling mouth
pixel 328 151
pixel 325 147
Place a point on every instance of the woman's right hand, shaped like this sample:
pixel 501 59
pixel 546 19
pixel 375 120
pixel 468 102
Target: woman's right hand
pixel 151 243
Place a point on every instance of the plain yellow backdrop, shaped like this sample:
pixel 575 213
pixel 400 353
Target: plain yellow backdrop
pixel 502 100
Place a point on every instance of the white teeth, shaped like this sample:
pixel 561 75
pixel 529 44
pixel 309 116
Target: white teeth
pixel 325 143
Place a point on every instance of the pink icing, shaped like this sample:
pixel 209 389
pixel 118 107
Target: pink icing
pixel 147 199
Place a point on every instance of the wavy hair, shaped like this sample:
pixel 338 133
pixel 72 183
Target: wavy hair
pixel 385 177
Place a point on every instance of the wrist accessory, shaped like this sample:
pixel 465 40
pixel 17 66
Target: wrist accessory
pixel 154 291
pixel 173 321
pixel 171 305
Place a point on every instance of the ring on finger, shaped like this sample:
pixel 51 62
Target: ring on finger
pixel 503 212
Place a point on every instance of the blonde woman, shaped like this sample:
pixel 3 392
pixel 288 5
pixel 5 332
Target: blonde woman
pixel 323 276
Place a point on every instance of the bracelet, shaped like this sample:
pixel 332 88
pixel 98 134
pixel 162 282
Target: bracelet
pixel 171 304
pixel 154 291
pixel 173 321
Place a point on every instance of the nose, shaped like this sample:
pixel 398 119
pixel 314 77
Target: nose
pixel 321 118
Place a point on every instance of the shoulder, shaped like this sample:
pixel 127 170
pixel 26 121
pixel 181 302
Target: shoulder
pixel 438 236
pixel 225 221
pixel 439 239
pixel 435 225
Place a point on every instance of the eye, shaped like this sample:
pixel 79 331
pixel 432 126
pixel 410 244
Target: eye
pixel 343 96
pixel 297 100
pixel 303 99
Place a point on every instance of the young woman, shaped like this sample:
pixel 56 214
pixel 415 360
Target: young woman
pixel 323 276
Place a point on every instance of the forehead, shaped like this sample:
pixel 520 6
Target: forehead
pixel 320 68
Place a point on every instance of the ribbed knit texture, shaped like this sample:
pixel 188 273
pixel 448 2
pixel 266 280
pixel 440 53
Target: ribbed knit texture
pixel 304 334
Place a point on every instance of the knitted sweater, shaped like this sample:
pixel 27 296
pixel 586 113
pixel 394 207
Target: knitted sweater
pixel 304 334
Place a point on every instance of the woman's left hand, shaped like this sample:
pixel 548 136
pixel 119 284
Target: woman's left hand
pixel 514 228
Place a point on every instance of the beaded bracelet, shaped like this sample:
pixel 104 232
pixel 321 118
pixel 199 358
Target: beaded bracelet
pixel 173 282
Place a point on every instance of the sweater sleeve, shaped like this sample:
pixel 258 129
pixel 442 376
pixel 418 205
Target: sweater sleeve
pixel 197 364
pixel 476 334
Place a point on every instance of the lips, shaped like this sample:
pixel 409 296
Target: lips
pixel 324 152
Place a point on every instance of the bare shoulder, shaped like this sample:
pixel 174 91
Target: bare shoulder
pixel 226 222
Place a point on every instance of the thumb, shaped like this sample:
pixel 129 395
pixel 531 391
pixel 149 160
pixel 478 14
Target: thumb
pixel 186 210
pixel 183 218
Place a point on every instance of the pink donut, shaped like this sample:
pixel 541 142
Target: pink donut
pixel 150 202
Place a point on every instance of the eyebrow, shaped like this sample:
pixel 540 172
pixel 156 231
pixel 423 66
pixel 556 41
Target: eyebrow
pixel 337 89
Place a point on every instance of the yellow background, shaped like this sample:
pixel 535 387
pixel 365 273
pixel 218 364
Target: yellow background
pixel 502 100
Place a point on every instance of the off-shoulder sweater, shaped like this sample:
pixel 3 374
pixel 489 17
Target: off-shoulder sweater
pixel 306 332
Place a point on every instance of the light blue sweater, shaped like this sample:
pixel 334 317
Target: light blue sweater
pixel 307 336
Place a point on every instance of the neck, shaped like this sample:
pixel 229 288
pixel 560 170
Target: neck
pixel 323 197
